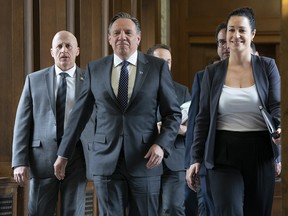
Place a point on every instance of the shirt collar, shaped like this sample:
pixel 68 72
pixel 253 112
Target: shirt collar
pixel 71 71
pixel 132 59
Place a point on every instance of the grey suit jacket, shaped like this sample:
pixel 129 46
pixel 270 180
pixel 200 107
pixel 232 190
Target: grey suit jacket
pixel 34 138
pixel 267 81
pixel 135 129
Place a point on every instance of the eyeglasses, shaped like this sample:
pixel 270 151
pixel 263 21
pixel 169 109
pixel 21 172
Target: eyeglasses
pixel 221 43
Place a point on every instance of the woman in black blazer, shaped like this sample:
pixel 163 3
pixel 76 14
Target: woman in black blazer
pixel 230 135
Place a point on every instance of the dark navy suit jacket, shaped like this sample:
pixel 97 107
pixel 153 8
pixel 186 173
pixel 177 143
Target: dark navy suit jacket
pixel 193 111
pixel 133 130
pixel 267 81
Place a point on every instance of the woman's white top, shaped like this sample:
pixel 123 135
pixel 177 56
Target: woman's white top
pixel 238 110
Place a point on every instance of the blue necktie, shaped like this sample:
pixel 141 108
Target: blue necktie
pixel 60 106
pixel 123 86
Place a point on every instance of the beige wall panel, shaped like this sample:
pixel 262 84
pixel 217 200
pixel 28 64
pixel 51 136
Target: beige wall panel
pixel 6 79
pixel 49 18
pixel 128 6
pixel 199 13
pixel 11 75
pixel 91 40
pixel 150 23
pixel 179 42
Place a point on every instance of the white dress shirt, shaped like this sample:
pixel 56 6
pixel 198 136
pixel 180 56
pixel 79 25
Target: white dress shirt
pixel 71 86
pixel 116 70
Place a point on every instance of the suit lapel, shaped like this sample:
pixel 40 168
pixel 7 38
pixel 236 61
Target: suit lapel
pixel 260 75
pixel 80 74
pixel 106 69
pixel 218 77
pixel 49 77
pixel 141 73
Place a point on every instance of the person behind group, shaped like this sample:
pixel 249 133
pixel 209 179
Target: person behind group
pixel 125 159
pixel 230 135
pixel 173 179
pixel 205 204
pixel 35 140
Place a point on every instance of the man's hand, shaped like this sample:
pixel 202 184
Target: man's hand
pixel 182 130
pixel 192 176
pixel 59 167
pixel 155 155
pixel 21 175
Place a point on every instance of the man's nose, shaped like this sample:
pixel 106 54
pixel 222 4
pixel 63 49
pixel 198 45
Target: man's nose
pixel 122 35
pixel 63 48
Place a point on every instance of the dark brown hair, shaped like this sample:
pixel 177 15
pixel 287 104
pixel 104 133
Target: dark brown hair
pixel 125 16
pixel 246 12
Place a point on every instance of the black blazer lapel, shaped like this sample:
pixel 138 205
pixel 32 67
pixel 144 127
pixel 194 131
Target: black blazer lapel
pixel 218 77
pixel 261 79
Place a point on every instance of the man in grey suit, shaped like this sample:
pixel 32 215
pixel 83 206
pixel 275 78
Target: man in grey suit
pixel 35 141
pixel 173 179
pixel 125 158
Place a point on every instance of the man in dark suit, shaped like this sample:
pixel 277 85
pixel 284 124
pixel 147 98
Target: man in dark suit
pixel 173 178
pixel 35 141
pixel 205 204
pixel 125 158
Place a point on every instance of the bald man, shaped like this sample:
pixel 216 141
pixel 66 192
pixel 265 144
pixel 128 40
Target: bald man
pixel 37 137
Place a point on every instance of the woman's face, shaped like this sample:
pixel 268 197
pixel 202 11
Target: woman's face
pixel 239 33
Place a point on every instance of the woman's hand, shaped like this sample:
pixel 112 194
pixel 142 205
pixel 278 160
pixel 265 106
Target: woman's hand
pixel 192 176
pixel 278 140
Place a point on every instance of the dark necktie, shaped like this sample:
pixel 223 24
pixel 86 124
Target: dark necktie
pixel 123 86
pixel 60 105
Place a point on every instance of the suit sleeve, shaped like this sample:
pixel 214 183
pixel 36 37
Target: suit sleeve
pixel 202 119
pixel 274 100
pixel 169 109
pixel 193 111
pixel 22 128
pixel 78 118
pixel 274 90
